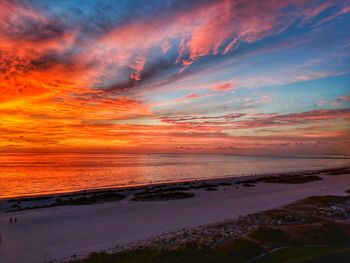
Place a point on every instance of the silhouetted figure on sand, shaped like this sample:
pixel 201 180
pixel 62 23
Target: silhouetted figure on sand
pixel 10 219
pixel 15 219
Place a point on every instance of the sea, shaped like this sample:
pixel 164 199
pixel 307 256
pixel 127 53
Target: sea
pixel 41 174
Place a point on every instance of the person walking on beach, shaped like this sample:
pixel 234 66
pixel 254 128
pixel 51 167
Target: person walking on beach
pixel 15 219
pixel 10 219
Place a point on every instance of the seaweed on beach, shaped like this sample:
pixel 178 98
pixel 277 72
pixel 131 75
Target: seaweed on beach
pixel 93 199
pixel 89 193
pixel 156 190
pixel 225 184
pixel 203 185
pixel 290 179
pixel 336 171
pixel 27 199
pixel 249 181
pixel 85 200
pixel 248 185
pixel 160 196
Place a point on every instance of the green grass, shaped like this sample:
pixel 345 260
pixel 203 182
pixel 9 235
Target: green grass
pixel 234 251
pixel 320 234
pixel 318 254
pixel 273 237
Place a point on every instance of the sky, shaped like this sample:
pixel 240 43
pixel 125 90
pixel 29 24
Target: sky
pixel 233 77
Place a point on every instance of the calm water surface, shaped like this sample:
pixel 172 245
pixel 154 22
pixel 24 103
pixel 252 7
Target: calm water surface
pixel 22 175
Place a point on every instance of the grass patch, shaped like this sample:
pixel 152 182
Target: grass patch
pixel 321 233
pixel 235 251
pixel 319 254
pixel 271 236
pixel 161 196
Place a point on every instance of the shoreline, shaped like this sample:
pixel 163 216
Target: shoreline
pixel 231 178
pixel 60 232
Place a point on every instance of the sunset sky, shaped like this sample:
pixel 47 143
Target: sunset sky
pixel 244 77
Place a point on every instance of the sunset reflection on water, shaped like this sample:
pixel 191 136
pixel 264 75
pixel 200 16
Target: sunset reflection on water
pixel 31 174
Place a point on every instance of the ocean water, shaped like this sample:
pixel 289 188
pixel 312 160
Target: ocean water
pixel 33 174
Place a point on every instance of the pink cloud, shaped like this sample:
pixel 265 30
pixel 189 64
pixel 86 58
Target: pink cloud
pixel 138 65
pixel 295 118
pixel 192 95
pixel 210 29
pixel 222 25
pixel 228 86
pixel 260 120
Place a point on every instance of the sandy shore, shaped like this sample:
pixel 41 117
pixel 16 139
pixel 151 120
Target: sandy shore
pixel 54 233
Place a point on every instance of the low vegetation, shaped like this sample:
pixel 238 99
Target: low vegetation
pixel 259 243
pixel 319 254
pixel 240 250
pixel 272 236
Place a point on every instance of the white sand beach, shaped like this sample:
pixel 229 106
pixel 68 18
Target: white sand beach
pixel 42 235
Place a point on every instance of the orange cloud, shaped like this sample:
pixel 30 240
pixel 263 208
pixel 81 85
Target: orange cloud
pixel 192 95
pixel 228 86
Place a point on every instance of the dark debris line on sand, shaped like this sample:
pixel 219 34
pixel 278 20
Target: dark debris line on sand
pixel 160 196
